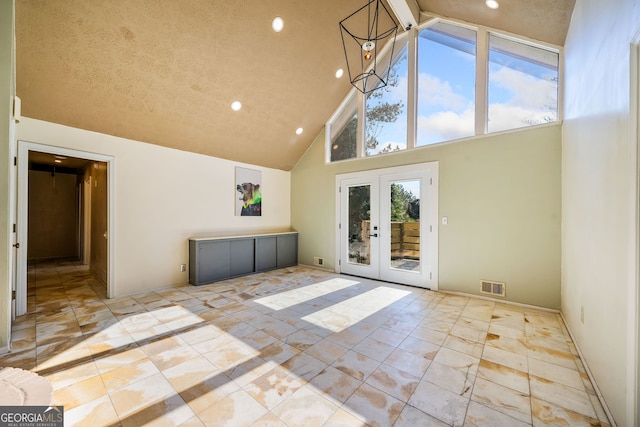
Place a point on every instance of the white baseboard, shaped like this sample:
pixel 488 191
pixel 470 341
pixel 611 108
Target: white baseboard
pixel 5 349
pixel 317 267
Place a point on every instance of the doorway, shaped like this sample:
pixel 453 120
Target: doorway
pixel 65 210
pixel 388 224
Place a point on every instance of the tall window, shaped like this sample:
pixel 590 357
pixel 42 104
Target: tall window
pixel 523 85
pixel 344 133
pixel 386 110
pixel 446 83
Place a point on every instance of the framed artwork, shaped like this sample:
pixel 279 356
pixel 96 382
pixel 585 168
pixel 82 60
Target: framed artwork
pixel 248 192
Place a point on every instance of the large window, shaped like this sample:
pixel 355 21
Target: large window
pixel 462 82
pixel 446 85
pixel 523 85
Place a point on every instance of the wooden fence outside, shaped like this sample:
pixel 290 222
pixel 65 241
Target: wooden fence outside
pixel 405 239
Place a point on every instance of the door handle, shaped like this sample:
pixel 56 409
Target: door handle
pixel 374 235
pixel 16 245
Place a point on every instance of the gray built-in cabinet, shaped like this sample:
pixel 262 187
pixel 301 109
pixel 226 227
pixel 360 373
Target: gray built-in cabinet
pixel 219 258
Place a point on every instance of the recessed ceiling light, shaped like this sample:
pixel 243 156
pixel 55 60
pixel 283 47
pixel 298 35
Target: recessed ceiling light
pixel 277 24
pixel 58 161
pixel 299 131
pixel 236 105
pixel 339 73
pixel 492 4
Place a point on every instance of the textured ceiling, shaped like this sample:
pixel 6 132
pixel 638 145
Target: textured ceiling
pixel 166 72
pixel 542 20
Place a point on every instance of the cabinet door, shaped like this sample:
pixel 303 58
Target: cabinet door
pixel 213 261
pixel 242 261
pixel 287 250
pixel 266 251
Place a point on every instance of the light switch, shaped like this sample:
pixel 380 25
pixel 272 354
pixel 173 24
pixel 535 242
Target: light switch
pixel 445 220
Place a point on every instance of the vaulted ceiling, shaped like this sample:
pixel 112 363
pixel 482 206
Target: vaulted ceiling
pixel 166 72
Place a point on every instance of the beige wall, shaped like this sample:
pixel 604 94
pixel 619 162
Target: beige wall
pixel 53 215
pixel 599 256
pixel 7 91
pixel 501 194
pixel 163 197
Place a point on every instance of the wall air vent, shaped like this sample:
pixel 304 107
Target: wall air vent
pixel 493 288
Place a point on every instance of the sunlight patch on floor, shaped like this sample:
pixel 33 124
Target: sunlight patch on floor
pixel 293 297
pixel 353 310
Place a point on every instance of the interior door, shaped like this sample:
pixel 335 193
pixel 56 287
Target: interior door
pixel 388 225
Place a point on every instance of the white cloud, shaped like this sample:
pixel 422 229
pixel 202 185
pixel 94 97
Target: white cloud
pixel 505 116
pixel 445 126
pixel 433 91
pixel 528 91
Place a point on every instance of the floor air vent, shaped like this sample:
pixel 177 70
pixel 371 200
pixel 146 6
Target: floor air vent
pixel 493 288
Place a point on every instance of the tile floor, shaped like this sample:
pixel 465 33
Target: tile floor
pixel 297 347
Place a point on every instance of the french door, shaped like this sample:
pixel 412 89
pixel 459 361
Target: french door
pixel 388 224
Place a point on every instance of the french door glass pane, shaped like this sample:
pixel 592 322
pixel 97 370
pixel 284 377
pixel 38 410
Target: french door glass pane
pixel 359 224
pixel 405 225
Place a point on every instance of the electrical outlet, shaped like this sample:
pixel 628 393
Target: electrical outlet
pixel 183 267
pixel 318 261
pixel 582 313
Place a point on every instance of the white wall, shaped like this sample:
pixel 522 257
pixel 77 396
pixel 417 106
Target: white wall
pixel 7 128
pixel 164 196
pixel 599 193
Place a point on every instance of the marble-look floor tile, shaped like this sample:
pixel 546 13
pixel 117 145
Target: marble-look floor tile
pixel 439 403
pixel 505 358
pixel 120 377
pixel 274 387
pixel 335 384
pixel 394 382
pixel 326 350
pixel 505 376
pixel 408 362
pixel 562 395
pixel 97 412
pixel 80 392
pixel 502 399
pixel 304 366
pixel 342 418
pixel 305 408
pixel 356 364
pixel 556 373
pixel 373 406
pixel 548 414
pixel 148 399
pixel 412 417
pixel 482 416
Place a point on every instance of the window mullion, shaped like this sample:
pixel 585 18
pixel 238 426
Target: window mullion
pixel 361 133
pixel 482 83
pixel 412 96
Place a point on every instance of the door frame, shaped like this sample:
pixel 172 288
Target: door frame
pixel 432 213
pixel 22 218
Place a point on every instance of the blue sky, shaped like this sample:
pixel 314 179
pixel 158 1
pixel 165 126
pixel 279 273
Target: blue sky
pixel 520 92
